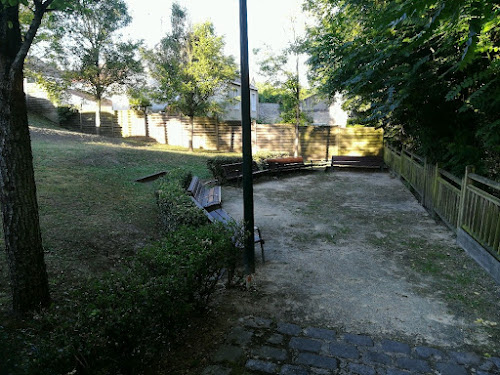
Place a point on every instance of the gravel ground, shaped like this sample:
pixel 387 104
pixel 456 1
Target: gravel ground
pixel 357 253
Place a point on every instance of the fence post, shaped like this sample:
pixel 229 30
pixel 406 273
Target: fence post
pixel 463 195
pixel 435 187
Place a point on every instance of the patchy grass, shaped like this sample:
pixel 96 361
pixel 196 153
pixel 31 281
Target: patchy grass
pixel 93 214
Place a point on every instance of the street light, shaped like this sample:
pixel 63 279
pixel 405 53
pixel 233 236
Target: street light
pixel 249 256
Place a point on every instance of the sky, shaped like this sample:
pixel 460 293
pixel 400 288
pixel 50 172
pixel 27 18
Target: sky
pixel 269 23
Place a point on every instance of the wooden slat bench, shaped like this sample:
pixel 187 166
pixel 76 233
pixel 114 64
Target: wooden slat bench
pixel 234 171
pixel 366 162
pixel 209 197
pixel 287 164
pixel 220 215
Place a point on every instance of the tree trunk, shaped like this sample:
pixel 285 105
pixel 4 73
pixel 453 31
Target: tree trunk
pixel 191 138
pixel 23 241
pixel 98 117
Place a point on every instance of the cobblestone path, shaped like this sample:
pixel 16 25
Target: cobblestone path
pixel 261 346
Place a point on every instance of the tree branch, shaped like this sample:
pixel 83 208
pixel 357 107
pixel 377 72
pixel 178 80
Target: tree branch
pixel 40 9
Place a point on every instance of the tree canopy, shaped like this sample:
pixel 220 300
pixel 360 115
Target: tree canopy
pixel 425 70
pixel 190 68
pixel 89 50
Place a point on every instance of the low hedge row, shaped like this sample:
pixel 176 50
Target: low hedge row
pixel 119 322
pixel 176 208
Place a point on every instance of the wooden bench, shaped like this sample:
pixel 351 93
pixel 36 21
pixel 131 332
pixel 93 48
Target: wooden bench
pixel 220 215
pixel 209 197
pixel 234 171
pixel 366 162
pixel 287 164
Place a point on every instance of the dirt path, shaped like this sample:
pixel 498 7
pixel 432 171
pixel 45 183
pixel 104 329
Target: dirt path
pixel 356 252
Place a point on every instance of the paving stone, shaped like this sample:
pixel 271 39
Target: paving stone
pixel 256 322
pixel 450 369
pixel 228 353
pixel 465 358
pixel 393 371
pixel 293 370
pixel 276 339
pixel 305 345
pixel 310 359
pixel 359 340
pixel 413 365
pixel 320 333
pixel 239 336
pixel 395 347
pixel 361 369
pixel 216 370
pixel 269 352
pixel 343 350
pixel 289 329
pixel 262 366
pixel 496 361
pixel 426 352
pixel 376 357
pixel 487 366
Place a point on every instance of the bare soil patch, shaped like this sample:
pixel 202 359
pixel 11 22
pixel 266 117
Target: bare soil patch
pixel 356 252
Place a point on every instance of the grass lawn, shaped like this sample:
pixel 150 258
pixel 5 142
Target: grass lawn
pixel 93 215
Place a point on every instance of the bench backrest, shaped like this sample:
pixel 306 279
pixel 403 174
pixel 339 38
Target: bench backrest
pixel 370 160
pixel 298 160
pixel 236 169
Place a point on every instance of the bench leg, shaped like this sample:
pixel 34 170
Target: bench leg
pixel 261 245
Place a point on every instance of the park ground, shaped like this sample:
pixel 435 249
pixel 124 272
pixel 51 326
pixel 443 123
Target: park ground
pixel 354 252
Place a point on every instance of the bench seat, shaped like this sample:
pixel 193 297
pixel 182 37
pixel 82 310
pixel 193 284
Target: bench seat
pixel 209 197
pixel 215 213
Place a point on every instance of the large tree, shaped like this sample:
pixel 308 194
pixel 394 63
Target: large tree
pixel 428 71
pixel 276 69
pixel 190 68
pixel 89 49
pixel 23 241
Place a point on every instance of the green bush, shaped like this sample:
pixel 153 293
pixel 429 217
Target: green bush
pixel 261 156
pixel 176 207
pixel 215 165
pixel 118 323
pixel 66 112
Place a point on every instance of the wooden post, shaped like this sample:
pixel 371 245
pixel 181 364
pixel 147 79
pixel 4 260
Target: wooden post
pixel 435 188
pixel 463 195
pixel 217 134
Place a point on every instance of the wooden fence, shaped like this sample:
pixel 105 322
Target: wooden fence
pixel 316 142
pixel 470 204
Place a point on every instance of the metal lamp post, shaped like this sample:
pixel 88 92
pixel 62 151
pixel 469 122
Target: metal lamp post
pixel 249 256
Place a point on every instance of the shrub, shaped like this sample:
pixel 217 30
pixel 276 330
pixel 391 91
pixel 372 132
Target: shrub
pixel 215 165
pixel 118 323
pixel 66 112
pixel 261 156
pixel 176 208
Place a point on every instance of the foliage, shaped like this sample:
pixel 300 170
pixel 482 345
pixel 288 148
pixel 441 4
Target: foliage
pixel 88 48
pixel 190 68
pixel 283 86
pixel 268 93
pixel 215 164
pixel 118 323
pixel 425 70
pixel 176 208
pixel 65 112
